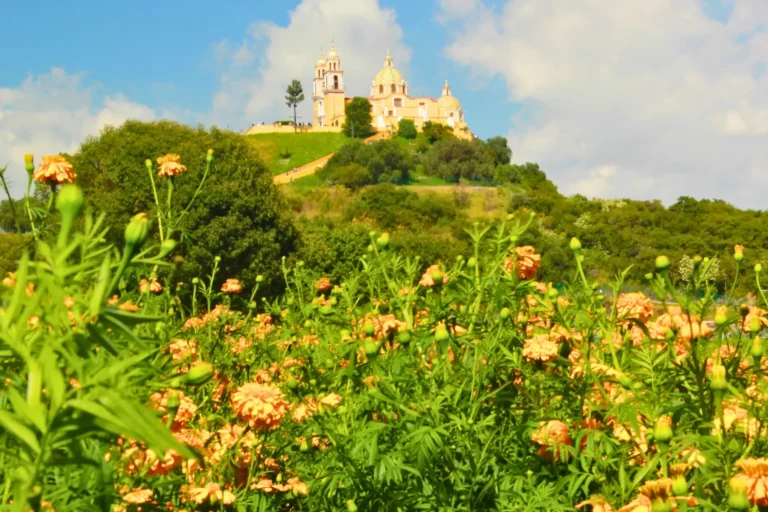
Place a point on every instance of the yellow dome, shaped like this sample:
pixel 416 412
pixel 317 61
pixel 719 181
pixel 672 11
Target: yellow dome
pixel 332 53
pixel 321 60
pixel 388 74
pixel 449 102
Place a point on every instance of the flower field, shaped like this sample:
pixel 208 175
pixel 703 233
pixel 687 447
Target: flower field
pixel 468 386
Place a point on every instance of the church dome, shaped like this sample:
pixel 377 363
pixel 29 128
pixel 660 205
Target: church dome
pixel 388 74
pixel 332 53
pixel 321 60
pixel 447 100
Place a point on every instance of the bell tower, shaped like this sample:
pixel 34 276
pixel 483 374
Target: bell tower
pixel 334 76
pixel 318 92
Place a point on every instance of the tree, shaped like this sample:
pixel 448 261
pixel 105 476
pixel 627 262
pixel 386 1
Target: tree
pixel 384 160
pixel 357 122
pixel 240 217
pixel 352 176
pixel 406 129
pixel 453 159
pixel 499 148
pixel 295 95
pixel 437 131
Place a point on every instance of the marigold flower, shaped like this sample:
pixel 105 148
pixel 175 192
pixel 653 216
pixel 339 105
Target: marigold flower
pixel 170 165
pixel 54 170
pixel 184 414
pixel 755 474
pixel 9 280
pixel 154 286
pixel 301 413
pixel 525 260
pixel 540 347
pixel 138 496
pixel 598 504
pixel 231 286
pixel 331 400
pixel 211 493
pixel 634 305
pixel 550 435
pixel 297 486
pixel 128 306
pixel 426 279
pixel 261 405
pixel 323 284
pixel 182 349
pixel 754 312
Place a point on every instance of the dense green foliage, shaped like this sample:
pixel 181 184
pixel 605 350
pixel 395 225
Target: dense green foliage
pixel 406 129
pixel 357 120
pixel 239 217
pixel 436 131
pixel 384 162
pixel 454 159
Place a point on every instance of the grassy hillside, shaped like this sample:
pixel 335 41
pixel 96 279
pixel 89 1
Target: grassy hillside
pixel 301 148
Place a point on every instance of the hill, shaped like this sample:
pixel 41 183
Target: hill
pixel 284 151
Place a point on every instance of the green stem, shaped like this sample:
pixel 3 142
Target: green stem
pixel 157 201
pixel 10 200
pixel 168 210
pixel 29 209
pixel 735 281
pixel 760 288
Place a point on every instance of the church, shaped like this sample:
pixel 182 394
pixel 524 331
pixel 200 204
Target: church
pixel 389 99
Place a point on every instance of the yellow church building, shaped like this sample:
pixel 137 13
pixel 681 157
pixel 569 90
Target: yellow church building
pixel 388 96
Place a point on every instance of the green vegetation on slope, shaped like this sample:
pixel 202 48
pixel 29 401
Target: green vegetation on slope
pixel 284 151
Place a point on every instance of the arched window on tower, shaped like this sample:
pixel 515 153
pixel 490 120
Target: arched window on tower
pixel 335 81
pixel 394 88
pixel 381 89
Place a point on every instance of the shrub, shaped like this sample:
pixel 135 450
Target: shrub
pixel 239 217
pixel 453 159
pixel 434 132
pixel 351 175
pixel 406 129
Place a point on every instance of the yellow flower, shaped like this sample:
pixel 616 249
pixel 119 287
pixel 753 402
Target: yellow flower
pixel 170 165
pixel 54 171
pixel 231 286
pixel 212 493
pixel 540 348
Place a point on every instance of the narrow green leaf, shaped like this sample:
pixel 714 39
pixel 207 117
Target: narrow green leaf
pixel 12 424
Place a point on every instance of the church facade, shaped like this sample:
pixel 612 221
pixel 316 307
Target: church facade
pixel 389 99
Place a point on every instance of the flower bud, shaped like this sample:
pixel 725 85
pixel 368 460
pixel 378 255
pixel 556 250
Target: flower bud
pixel 372 234
pixel 148 164
pixel 29 163
pixel 195 280
pixel 660 505
pixel 721 316
pixel 662 263
pixel 648 276
pixel 738 499
pixel 472 262
pixel 717 378
pixel 371 348
pixel 504 313
pixel 697 260
pixel 69 201
pixel 292 383
pixel 754 325
pixel 172 402
pixel 552 293
pixel 738 253
pixel 441 333
pixel 575 244
pixel 217 259
pixel 662 430
pixel 679 486
pixel 758 268
pixel 137 230
pixel 368 328
pixel 209 156
pixel 757 347
pixel 198 374
pixel 326 310
pixel 166 247
pixel 437 276
pixel 383 241
pixel 351 507
pixel 404 336
pixel 744 309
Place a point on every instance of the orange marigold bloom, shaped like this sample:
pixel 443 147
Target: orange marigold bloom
pixel 231 286
pixel 154 286
pixel 754 312
pixel 540 347
pixel 301 413
pixel 170 165
pixel 182 349
pixel 138 496
pixel 755 475
pixel 598 504
pixel 128 306
pixel 211 493
pixel 331 400
pixel 54 171
pixel 525 260
pixel 297 486
pixel 261 405
pixel 323 284
pixel 634 305
pixel 10 280
pixel 184 413
pixel 426 279
pixel 551 434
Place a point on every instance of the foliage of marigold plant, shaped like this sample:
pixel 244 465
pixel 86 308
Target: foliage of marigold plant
pixel 463 385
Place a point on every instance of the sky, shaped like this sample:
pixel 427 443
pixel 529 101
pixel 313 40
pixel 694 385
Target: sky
pixel 641 99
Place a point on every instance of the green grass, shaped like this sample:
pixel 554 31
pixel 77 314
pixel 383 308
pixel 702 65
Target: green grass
pixel 428 181
pixel 310 181
pixel 302 147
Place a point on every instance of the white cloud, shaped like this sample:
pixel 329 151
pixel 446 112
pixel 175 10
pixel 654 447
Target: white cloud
pixel 52 113
pixel 255 74
pixel 674 101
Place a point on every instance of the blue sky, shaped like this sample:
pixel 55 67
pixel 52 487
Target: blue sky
pixel 613 99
